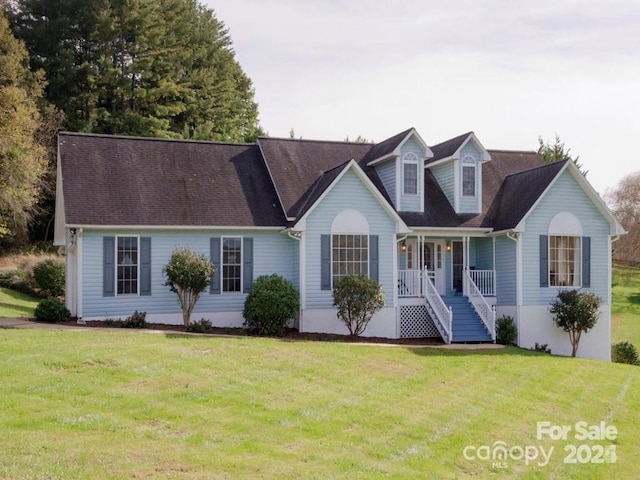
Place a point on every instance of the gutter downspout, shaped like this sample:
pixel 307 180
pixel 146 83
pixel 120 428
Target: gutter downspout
pixel 515 236
pixel 301 276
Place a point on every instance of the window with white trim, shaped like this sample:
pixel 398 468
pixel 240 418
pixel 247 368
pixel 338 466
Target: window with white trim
pixel 350 255
pixel 468 177
pixel 231 264
pixel 127 249
pixel 410 173
pixel 565 261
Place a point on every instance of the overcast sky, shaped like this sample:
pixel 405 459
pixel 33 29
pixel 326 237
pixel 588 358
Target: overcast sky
pixel 508 70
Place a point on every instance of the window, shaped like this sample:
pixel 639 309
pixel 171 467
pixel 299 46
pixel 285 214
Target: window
pixel 468 177
pixel 232 264
pixel 565 261
pixel 410 173
pixel 350 255
pixel 127 266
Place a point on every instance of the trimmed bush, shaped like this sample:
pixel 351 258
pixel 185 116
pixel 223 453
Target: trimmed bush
pixel 137 320
pixel 49 277
pixel 357 297
pixel 624 352
pixel 506 331
pixel 271 303
pixel 200 326
pixel 576 313
pixel 52 310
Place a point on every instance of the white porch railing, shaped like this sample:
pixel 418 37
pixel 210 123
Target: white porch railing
pixel 443 314
pixel 411 283
pixel 485 311
pixel 485 280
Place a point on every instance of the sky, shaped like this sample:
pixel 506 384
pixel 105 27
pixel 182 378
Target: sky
pixel 509 70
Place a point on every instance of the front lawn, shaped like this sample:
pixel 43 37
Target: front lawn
pixel 103 404
pixel 15 304
pixel 625 305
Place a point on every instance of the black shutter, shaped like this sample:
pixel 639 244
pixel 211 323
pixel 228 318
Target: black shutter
pixel 325 262
pixel 247 271
pixel 373 257
pixel 586 262
pixel 108 266
pixel 145 266
pixel 544 261
pixel 215 260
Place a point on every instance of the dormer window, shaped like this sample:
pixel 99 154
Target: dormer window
pixel 468 176
pixel 410 174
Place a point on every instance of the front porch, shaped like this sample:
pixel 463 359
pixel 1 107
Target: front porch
pixel 439 291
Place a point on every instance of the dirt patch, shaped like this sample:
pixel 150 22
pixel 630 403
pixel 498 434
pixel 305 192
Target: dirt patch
pixel 290 334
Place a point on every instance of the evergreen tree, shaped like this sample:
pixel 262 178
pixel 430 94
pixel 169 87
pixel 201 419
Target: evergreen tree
pixel 141 67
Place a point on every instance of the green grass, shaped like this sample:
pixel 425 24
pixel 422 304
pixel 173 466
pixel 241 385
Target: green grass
pixel 625 305
pixel 15 304
pixel 78 404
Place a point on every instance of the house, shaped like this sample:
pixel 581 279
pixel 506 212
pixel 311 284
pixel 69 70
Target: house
pixel 456 234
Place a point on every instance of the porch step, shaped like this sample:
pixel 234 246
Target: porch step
pixel 467 326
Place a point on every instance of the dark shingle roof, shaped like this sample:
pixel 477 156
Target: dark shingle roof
pixel 112 180
pixel 115 180
pixel 448 148
pixel 518 193
pixel 295 165
pixel 386 147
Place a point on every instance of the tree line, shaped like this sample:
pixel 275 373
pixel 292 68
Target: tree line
pixel 133 67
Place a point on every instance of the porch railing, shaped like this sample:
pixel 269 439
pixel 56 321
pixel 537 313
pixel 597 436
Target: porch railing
pixel 443 314
pixel 485 311
pixel 485 280
pixel 411 282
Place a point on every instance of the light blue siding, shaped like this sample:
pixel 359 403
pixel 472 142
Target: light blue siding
pixel 506 271
pixel 413 203
pixel 483 250
pixel 445 178
pixel 387 174
pixel 348 193
pixel 273 252
pixel 565 195
pixel 469 204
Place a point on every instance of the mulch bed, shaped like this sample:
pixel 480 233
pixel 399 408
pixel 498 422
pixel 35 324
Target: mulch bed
pixel 290 334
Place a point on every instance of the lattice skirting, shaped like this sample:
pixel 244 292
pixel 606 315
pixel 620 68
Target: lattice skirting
pixel 416 322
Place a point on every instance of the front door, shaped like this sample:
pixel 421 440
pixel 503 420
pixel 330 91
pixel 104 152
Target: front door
pixel 432 260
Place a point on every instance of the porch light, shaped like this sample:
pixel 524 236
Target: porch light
pixel 448 246
pixel 403 246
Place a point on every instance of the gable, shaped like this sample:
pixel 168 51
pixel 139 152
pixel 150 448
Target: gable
pixel 359 191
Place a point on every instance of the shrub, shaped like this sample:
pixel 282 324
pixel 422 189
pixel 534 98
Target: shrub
pixel 51 310
pixel 188 274
pixel 506 332
pixel 200 326
pixel 357 297
pixel 624 352
pixel 137 320
pixel 541 347
pixel 271 303
pixel 576 313
pixel 49 277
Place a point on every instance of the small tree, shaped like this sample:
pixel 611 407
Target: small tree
pixel 575 313
pixel 357 297
pixel 188 275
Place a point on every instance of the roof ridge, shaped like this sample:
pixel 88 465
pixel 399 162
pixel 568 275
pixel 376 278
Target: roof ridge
pixel 470 132
pixel 155 139
pixel 539 167
pixel 506 150
pixel 314 140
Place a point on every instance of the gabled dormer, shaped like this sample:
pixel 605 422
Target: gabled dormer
pixel 399 162
pixel 457 166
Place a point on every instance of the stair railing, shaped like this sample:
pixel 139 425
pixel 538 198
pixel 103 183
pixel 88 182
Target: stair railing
pixel 443 314
pixel 486 312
